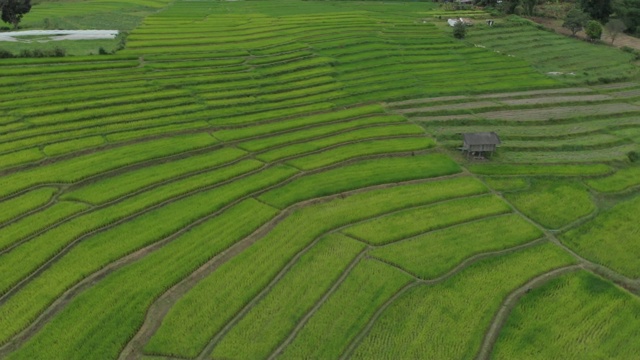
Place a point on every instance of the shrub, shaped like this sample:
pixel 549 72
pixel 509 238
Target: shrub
pixel 633 156
pixel 58 52
pixel 39 53
pixel 4 54
pixel 631 51
pixel 575 20
pixel 102 51
pixel 459 30
pixel 593 30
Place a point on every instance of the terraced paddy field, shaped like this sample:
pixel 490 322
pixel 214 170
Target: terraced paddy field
pixel 261 180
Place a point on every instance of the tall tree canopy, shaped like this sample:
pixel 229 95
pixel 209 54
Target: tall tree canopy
pixel 575 20
pixel 13 10
pixel 598 9
pixel 629 12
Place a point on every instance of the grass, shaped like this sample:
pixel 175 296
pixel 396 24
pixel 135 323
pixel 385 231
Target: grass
pixel 550 52
pixel 542 170
pixel 78 168
pixel 619 181
pixel 340 138
pixel 273 252
pixel 447 320
pixel 144 282
pixel 20 157
pixel 609 238
pixel 262 144
pixel 361 149
pixel 223 114
pixel 339 320
pixel 361 174
pixel 269 322
pixel 507 184
pixel 39 221
pixel 97 251
pixel 433 254
pixel 595 314
pixel 553 204
pixel 413 222
pixel 270 128
pixel 73 145
pixel 116 186
pixel 11 208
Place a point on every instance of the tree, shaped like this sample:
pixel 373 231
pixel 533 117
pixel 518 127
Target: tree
pixel 629 12
pixel 593 30
pixel 529 6
pixel 459 30
pixel 575 20
pixel 614 28
pixel 597 9
pixel 13 10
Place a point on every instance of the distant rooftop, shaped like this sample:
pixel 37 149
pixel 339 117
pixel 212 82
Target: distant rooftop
pixel 483 138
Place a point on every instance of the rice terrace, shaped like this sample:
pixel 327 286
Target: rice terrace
pixel 283 179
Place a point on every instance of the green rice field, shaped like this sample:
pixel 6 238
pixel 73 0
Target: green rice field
pixel 283 180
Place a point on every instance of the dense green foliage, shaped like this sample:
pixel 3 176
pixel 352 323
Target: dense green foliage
pixel 593 30
pixel 12 11
pixel 575 20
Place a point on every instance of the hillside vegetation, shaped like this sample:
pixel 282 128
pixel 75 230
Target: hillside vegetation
pixel 281 179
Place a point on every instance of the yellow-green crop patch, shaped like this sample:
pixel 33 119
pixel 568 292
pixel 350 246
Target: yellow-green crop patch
pixel 269 179
pixel 554 203
pixel 595 313
pixel 610 238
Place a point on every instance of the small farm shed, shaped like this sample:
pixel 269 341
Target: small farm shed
pixel 480 144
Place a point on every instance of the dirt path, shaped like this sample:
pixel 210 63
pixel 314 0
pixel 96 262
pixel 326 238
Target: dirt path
pixel 499 319
pixel 621 40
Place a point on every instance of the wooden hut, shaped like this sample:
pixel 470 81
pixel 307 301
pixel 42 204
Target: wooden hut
pixel 480 144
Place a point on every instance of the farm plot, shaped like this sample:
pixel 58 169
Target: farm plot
pixel 432 254
pixel 610 238
pixel 595 313
pixel 619 181
pixel 553 204
pixel 270 254
pixel 420 323
pixel 275 179
pixel 553 53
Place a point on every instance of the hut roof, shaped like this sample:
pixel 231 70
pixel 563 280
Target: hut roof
pixel 483 138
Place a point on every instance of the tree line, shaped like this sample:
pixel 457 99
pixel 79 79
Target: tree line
pixel 619 15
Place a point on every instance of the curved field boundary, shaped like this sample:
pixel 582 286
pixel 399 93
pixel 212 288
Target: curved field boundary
pixel 164 303
pixel 121 169
pixel 42 207
pixel 94 208
pixel 206 352
pixel 59 303
pixel 301 324
pixel 510 302
pixel 418 281
pixel 387 185
pixel 632 285
pixel 315 308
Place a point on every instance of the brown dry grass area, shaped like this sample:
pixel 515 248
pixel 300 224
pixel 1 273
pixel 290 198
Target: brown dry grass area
pixel 621 39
